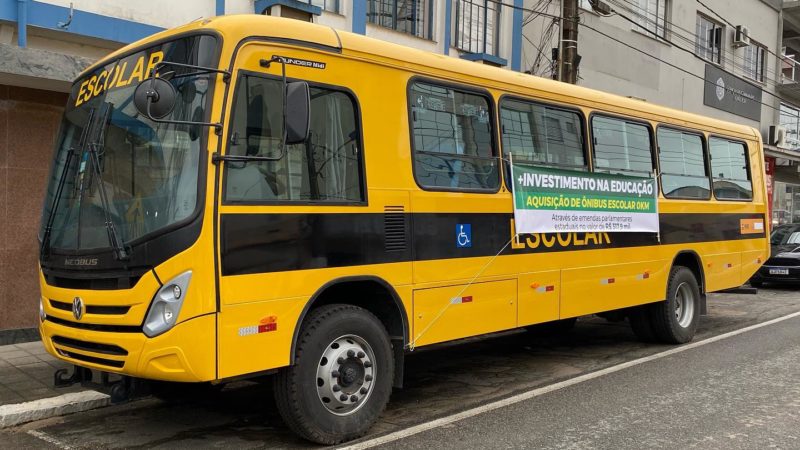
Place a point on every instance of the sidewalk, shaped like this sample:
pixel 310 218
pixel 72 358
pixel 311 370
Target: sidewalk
pixel 26 386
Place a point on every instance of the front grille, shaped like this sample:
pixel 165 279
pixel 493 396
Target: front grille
pixel 783 262
pixel 91 359
pixel 96 327
pixel 92 309
pixel 110 283
pixel 95 347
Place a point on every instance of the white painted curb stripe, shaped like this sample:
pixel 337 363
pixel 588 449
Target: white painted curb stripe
pixel 404 433
pixel 73 402
pixel 49 439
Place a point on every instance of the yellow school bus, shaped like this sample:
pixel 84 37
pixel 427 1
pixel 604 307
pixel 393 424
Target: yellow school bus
pixel 250 195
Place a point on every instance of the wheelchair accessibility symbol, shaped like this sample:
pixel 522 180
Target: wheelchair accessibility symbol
pixel 464 235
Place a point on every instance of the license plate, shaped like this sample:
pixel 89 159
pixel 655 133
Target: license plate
pixel 779 271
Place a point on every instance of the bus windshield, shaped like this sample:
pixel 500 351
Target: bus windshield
pixel 147 171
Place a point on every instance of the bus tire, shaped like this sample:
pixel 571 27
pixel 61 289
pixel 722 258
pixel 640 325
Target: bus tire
pixel 341 378
pixel 675 319
pixel 639 318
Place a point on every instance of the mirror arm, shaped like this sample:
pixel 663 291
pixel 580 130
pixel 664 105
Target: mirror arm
pixel 217 125
pixel 216 158
pixel 226 75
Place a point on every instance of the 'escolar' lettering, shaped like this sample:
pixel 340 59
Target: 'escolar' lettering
pixel 548 240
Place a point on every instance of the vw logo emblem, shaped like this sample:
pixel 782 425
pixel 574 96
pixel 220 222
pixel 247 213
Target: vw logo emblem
pixel 77 308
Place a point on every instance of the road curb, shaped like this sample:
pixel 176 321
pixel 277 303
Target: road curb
pixel 19 413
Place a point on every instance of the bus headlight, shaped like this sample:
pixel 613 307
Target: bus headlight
pixel 166 305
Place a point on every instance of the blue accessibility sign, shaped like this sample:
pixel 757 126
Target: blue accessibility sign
pixel 463 235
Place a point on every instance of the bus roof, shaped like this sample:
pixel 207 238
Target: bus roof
pixel 235 28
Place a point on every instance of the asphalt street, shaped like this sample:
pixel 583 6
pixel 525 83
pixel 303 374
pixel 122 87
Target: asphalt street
pixel 739 392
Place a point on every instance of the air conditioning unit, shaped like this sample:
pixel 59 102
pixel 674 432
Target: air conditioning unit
pixel 777 136
pixel 742 36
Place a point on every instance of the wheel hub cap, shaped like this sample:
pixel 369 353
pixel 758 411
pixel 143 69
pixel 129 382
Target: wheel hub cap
pixel 345 375
pixel 684 305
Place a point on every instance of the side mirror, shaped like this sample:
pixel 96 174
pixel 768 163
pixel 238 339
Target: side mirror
pixel 298 112
pixel 154 98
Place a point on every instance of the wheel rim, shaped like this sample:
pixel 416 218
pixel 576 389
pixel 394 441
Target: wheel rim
pixel 346 375
pixel 684 305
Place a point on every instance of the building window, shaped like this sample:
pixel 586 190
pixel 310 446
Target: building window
pixel 621 146
pixel 452 139
pixel 477 26
pixel 326 5
pixel 729 169
pixel 683 164
pixel 408 16
pixel 651 17
pixel 790 119
pixel 754 61
pixel 709 39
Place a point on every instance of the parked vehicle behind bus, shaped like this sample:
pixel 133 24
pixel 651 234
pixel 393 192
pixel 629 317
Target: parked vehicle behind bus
pixel 250 195
pixel 783 266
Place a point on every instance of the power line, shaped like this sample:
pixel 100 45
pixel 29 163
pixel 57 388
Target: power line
pixel 522 8
pixel 693 54
pixel 693 39
pixel 674 66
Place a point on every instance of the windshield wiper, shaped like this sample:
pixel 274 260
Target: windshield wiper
pixel 94 148
pixel 44 249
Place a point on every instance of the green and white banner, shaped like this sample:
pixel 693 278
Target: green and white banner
pixel 550 200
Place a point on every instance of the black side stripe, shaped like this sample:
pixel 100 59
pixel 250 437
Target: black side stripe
pixel 261 243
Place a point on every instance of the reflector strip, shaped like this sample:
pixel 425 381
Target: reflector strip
pixel 607 281
pixel 459 300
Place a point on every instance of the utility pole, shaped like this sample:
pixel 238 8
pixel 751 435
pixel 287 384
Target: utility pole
pixel 568 54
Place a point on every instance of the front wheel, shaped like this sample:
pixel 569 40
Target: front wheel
pixel 341 378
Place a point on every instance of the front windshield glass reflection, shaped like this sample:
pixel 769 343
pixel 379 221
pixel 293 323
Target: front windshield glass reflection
pixel 148 170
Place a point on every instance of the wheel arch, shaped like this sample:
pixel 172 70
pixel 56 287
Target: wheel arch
pixel 692 261
pixel 362 291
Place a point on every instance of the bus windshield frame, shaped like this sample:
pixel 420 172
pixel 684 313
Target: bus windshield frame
pixel 124 177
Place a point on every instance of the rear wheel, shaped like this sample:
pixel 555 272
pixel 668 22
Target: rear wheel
pixel 341 378
pixel 675 319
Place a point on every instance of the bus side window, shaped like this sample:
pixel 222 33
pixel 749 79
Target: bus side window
pixel 326 168
pixel 540 134
pixel 729 170
pixel 452 143
pixel 683 165
pixel 621 146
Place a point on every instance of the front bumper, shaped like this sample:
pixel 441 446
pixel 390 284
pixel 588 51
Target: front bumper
pixel 185 353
